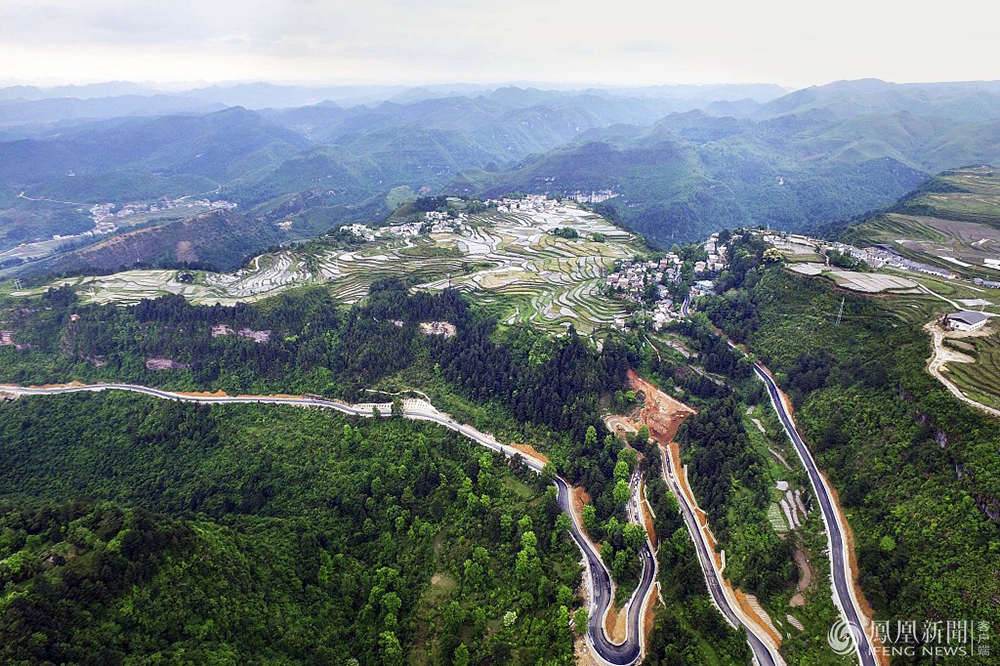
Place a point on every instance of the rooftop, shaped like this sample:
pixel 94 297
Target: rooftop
pixel 968 317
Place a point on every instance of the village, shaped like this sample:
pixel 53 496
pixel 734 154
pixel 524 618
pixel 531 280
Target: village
pixel 440 222
pixel 107 216
pixel 647 284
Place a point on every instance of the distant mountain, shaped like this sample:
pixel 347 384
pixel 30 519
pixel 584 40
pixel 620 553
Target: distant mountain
pixel 691 172
pixel 221 146
pixel 55 109
pixel 509 123
pixel 85 91
pixel 730 92
pixel 973 101
pixel 683 159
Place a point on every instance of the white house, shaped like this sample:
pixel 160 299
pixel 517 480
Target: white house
pixel 967 321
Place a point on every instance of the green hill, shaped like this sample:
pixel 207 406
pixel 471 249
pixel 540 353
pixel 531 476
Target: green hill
pixel 951 221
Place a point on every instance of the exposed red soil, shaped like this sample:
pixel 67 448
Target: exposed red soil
pixel 529 450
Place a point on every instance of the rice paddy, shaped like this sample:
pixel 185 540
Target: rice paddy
pixel 509 262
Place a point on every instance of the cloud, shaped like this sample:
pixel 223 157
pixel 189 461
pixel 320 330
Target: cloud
pixel 629 41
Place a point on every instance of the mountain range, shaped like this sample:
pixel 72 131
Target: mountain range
pixel 678 161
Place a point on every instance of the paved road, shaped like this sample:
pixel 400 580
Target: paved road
pixel 843 582
pixel 764 654
pixel 612 654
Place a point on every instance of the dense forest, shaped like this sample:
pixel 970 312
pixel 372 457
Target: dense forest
pixel 548 388
pixel 140 531
pixel 916 469
pixel 688 630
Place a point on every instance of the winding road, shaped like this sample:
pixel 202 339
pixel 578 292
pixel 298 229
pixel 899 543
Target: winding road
pixel 765 653
pixel 602 590
pixel 843 579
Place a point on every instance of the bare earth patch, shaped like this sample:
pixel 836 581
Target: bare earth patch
pixel 529 450
pixel 443 328
pixel 165 364
pixel 220 330
pixel 805 578
pixel 660 412
pixel 647 621
pixel 616 624
pixel 583 655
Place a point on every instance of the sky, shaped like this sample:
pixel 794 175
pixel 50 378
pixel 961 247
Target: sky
pixel 628 42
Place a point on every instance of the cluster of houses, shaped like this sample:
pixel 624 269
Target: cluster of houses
pixel 716 256
pixel 105 216
pixel 442 221
pixel 533 203
pixel 631 279
pixel 594 196
pixel 434 222
pixel 879 256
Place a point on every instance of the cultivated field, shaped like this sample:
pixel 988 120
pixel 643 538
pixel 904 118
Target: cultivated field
pixel 509 262
pixel 869 283
pixel 980 379
pixel 963 247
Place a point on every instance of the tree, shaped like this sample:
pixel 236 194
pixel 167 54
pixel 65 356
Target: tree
pixel 621 492
pixel 461 656
pixel 635 536
pixel 773 256
pixel 392 652
pixel 580 618
pixel 621 470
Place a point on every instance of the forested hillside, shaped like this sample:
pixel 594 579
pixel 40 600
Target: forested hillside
pixel 915 468
pixel 535 387
pixel 140 531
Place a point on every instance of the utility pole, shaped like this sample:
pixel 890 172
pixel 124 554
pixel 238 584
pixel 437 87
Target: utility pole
pixel 841 313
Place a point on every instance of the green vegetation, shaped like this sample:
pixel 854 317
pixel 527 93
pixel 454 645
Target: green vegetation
pixel 565 232
pixel 977 380
pixel 688 630
pixel 141 531
pixel 910 462
pixel 515 382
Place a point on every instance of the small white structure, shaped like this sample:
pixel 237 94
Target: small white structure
pixel 967 321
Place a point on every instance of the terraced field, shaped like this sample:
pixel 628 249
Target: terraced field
pixel 954 224
pixel 978 380
pixel 509 262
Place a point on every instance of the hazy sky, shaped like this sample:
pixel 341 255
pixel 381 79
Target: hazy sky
pixel 426 41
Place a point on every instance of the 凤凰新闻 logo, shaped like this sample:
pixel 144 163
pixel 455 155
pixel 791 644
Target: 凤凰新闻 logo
pixel 844 636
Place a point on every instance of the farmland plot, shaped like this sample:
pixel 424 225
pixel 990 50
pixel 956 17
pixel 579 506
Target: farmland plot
pixel 510 262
